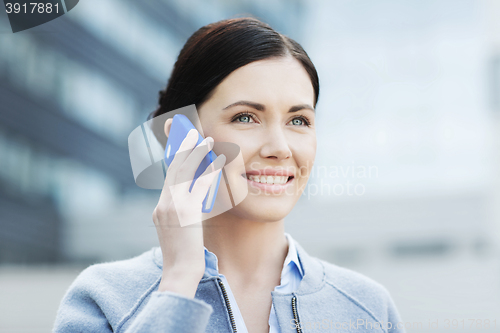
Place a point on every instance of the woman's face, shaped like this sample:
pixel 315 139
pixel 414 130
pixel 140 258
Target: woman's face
pixel 266 108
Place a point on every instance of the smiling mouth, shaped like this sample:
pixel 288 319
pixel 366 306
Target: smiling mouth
pixel 268 180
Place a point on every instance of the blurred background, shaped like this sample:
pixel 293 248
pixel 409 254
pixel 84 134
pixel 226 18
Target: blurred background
pixel 406 183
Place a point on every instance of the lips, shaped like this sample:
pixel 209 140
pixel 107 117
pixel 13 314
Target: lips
pixel 270 172
pixel 247 177
pixel 274 188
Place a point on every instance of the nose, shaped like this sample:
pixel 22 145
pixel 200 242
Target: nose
pixel 276 145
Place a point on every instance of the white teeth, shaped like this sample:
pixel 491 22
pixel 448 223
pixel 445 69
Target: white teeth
pixel 268 179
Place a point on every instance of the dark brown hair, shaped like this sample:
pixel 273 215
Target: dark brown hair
pixel 216 50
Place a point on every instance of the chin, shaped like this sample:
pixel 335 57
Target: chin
pixel 264 209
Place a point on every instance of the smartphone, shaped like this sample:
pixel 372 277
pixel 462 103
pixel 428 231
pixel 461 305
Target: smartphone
pixel 178 131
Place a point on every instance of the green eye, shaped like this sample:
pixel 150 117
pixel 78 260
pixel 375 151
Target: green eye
pixel 244 117
pixel 301 121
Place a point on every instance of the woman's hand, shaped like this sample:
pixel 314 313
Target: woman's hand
pixel 182 247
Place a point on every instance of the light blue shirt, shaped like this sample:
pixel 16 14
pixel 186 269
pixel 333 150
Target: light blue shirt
pixel 291 275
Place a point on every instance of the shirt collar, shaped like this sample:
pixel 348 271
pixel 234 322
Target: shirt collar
pixel 212 266
pixel 291 256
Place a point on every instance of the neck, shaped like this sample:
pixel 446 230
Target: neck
pixel 248 251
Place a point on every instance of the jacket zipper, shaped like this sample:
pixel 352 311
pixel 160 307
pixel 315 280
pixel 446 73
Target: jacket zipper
pixel 295 314
pixel 233 324
pixel 228 305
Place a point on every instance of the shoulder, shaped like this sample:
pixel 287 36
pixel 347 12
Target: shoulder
pixel 352 282
pixel 110 291
pixel 125 274
pixel 359 289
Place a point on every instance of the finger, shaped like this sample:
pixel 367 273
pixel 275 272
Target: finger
pixel 189 141
pixel 185 148
pixel 202 184
pixel 181 196
pixel 181 181
pixel 184 175
pixel 187 171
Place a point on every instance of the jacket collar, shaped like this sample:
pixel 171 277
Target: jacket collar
pixel 313 271
pixel 212 267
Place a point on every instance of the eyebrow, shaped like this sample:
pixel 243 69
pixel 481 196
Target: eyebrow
pixel 261 107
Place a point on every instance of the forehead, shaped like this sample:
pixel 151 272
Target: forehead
pixel 271 80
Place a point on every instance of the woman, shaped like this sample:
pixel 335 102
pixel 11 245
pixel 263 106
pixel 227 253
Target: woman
pixel 238 271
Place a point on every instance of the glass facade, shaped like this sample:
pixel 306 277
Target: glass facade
pixel 72 90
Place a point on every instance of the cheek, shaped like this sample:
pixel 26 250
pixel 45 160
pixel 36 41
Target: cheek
pixel 248 147
pixel 304 154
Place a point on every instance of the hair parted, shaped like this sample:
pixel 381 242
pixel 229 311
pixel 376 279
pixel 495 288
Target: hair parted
pixel 216 50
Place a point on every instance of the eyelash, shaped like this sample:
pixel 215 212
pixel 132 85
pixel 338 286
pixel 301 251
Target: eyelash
pixel 304 118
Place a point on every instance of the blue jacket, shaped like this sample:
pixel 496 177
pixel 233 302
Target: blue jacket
pixel 122 296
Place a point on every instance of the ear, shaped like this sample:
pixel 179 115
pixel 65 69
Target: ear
pixel 167 126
